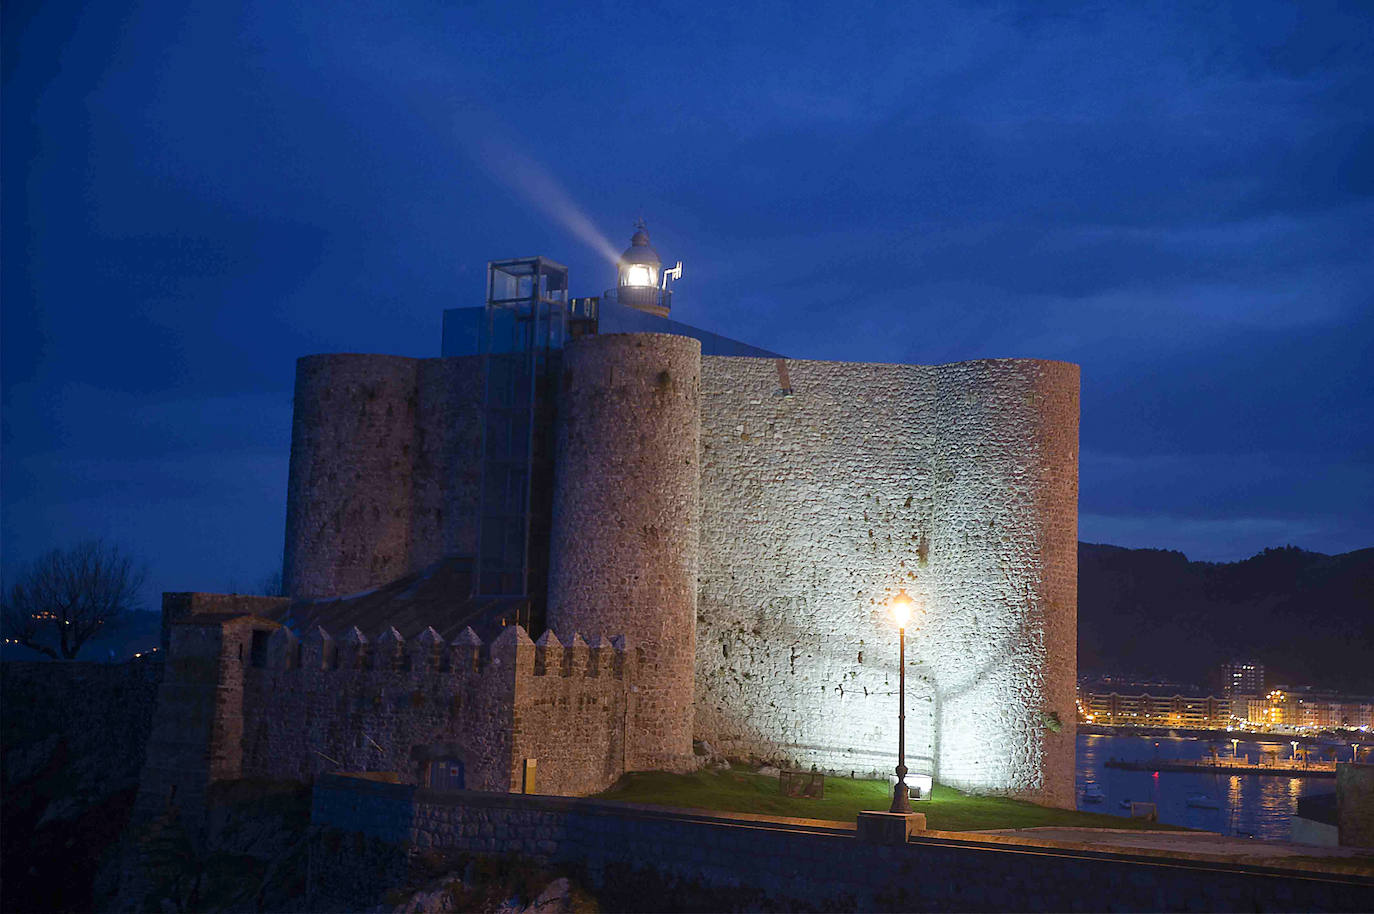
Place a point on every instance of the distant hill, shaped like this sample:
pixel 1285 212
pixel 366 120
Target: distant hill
pixel 1150 612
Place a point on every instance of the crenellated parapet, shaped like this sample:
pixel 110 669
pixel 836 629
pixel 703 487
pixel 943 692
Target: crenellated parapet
pixel 429 653
pixel 355 700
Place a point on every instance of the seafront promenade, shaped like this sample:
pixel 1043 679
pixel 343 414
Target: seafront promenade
pixel 1279 768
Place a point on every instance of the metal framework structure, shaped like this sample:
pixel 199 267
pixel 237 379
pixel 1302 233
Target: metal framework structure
pixel 525 326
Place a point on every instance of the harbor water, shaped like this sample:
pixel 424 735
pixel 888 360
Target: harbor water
pixel 1252 805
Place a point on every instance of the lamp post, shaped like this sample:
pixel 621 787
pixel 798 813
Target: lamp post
pixel 1354 752
pixel 1294 744
pixel 1234 743
pixel 901 611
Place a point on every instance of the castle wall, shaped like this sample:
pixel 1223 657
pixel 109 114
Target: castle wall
pixel 571 713
pixel 385 459
pixel 447 466
pixel 815 509
pixel 391 706
pixel 626 515
pixel 177 605
pixel 706 515
pixel 197 733
pixel 956 482
pixel 1003 568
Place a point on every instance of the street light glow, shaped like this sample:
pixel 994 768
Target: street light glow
pixel 901 607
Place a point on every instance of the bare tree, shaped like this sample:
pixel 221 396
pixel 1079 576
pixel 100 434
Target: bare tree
pixel 57 603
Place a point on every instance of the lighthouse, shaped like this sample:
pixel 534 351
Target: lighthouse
pixel 642 283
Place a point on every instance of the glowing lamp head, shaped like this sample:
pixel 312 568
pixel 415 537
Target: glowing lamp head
pixel 637 274
pixel 901 607
pixel 639 265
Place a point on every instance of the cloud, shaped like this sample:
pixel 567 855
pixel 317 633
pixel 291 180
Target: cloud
pixel 1177 198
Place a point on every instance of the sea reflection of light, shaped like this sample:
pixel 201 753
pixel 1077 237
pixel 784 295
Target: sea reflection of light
pixel 1235 794
pixel 1255 805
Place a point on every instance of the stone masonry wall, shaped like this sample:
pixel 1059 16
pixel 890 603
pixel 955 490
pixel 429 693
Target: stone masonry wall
pixel 1003 576
pixel 197 734
pixel 815 509
pixel 632 855
pixel 447 466
pixel 626 515
pixel 389 705
pixel 958 483
pixel 1355 804
pixel 177 605
pixel 385 453
pixel 572 712
pixel 707 516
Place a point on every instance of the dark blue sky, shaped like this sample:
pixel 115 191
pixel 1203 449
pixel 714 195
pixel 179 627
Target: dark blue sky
pixel 1179 199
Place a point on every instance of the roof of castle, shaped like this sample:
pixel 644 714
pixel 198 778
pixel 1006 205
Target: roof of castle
pixel 439 596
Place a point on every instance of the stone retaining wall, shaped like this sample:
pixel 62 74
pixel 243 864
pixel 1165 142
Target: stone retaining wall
pixel 640 858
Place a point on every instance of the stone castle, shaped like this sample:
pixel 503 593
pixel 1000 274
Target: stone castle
pixel 705 536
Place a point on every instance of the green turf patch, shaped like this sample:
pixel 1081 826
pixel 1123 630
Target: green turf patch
pixel 737 790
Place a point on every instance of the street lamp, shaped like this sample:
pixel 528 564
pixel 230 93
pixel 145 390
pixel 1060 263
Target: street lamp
pixel 1234 743
pixel 1294 744
pixel 1354 752
pixel 901 607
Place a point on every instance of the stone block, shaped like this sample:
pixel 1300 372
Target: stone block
pixel 889 827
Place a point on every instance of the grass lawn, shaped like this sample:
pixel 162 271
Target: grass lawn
pixel 738 790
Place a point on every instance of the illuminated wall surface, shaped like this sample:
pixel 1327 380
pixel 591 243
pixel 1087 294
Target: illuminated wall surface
pixel 958 482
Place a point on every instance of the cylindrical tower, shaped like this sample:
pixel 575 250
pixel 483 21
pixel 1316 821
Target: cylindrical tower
pixel 348 500
pixel 626 521
pixel 1003 577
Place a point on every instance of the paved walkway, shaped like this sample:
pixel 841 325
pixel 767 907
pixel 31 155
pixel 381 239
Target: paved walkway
pixel 1211 844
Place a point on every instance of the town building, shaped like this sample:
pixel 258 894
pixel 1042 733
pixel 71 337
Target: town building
pixel 1152 710
pixel 1242 677
pixel 1305 709
pixel 556 553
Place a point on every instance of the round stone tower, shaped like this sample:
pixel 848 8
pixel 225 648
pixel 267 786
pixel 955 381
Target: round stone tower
pixel 349 494
pixel 626 522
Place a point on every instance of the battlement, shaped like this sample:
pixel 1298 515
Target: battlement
pixel 467 654
pixel 381 701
